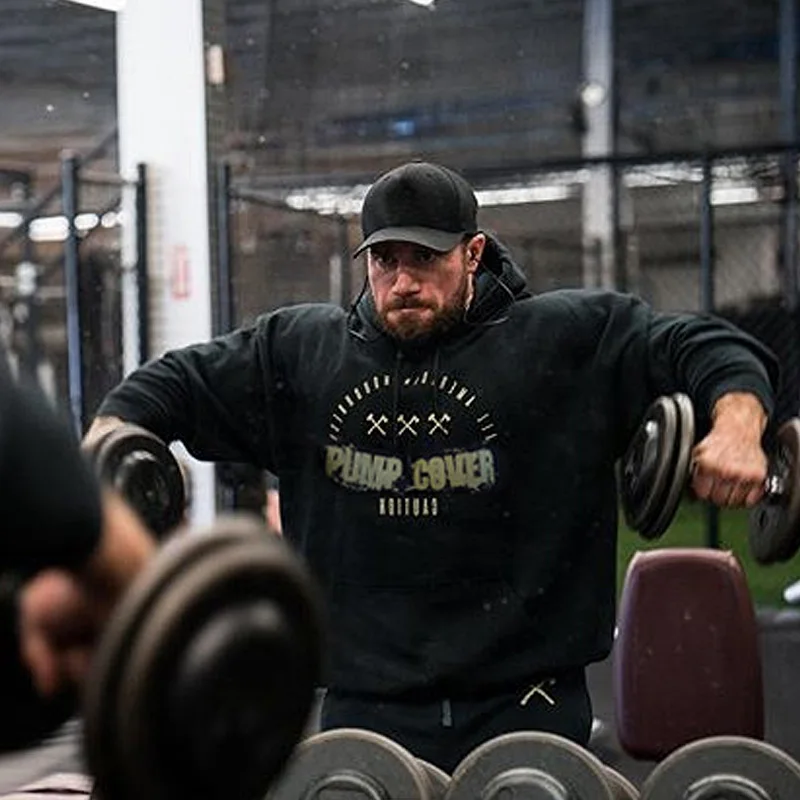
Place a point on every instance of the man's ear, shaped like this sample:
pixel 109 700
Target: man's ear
pixel 475 251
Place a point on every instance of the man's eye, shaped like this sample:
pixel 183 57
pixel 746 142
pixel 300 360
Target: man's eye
pixel 383 260
pixel 424 256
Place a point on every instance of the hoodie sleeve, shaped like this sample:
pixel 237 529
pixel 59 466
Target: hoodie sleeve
pixel 213 397
pixel 701 355
pixel 50 499
pixel 709 357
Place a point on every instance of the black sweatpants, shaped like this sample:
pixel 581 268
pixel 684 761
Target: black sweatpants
pixel 445 731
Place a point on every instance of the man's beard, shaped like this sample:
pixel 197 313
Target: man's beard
pixel 419 330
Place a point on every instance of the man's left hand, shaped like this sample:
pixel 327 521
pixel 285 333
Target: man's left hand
pixel 730 465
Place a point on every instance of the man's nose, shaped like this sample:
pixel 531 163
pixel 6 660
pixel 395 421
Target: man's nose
pixel 405 281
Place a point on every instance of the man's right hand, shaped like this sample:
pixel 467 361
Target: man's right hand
pixel 62 613
pixel 100 427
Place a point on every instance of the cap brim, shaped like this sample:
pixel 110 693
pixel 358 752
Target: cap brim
pixel 441 241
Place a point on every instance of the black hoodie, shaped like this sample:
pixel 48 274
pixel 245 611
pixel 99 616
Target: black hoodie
pixel 456 500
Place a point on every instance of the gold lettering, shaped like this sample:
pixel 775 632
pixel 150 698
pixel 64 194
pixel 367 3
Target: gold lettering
pixel 437 473
pixel 334 458
pixel 419 475
pixel 455 471
pixel 456 474
pixel 472 468
pixel 349 470
pixel 364 470
pixel 369 470
pixel 392 470
pixel 487 466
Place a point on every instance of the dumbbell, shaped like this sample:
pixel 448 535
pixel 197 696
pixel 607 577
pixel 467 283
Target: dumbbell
pixel 654 473
pixel 204 678
pixel 730 767
pixel 358 764
pixel 536 765
pixel 438 780
pixel 57 786
pixel 144 471
pixel 621 787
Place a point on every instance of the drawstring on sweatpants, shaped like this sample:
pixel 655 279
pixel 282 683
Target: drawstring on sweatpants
pixel 447 714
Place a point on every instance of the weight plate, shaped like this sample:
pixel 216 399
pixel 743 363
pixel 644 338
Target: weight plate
pixel 724 766
pixel 228 660
pixel 57 786
pixel 174 710
pixel 438 780
pixel 145 472
pixel 621 787
pixel 352 763
pixel 678 470
pixel 774 529
pixel 645 467
pixel 103 688
pixel 530 764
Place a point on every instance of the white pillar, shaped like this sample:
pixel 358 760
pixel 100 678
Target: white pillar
pixel 598 103
pixel 162 123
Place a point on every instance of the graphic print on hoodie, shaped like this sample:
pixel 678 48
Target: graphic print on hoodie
pixel 408 438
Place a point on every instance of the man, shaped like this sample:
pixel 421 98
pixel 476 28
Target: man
pixel 446 458
pixel 67 554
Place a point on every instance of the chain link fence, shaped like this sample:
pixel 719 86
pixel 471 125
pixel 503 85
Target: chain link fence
pixel 61 281
pixel 713 233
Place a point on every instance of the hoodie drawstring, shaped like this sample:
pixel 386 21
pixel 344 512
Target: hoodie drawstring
pixel 396 395
pixel 435 378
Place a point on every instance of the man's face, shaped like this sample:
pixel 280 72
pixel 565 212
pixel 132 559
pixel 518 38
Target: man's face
pixel 421 292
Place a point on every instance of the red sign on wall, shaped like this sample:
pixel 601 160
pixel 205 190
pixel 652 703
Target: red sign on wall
pixel 180 273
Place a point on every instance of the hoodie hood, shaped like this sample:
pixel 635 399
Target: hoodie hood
pixel 499 282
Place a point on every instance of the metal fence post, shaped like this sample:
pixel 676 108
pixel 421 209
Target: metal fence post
pixel 223 312
pixel 142 278
pixel 707 300
pixel 789 133
pixel 225 309
pixel 70 167
pixel 346 297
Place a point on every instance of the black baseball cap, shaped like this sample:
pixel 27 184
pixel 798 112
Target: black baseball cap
pixel 422 203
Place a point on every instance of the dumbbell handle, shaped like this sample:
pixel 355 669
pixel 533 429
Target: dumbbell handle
pixel 774 485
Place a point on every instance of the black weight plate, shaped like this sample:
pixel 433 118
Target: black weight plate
pixel 530 764
pixel 645 468
pixel 351 763
pixel 219 717
pixel 774 529
pixel 57 786
pixel 137 745
pixel 678 471
pixel 144 470
pixel 621 787
pixel 438 780
pixel 736 767
pixel 103 688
